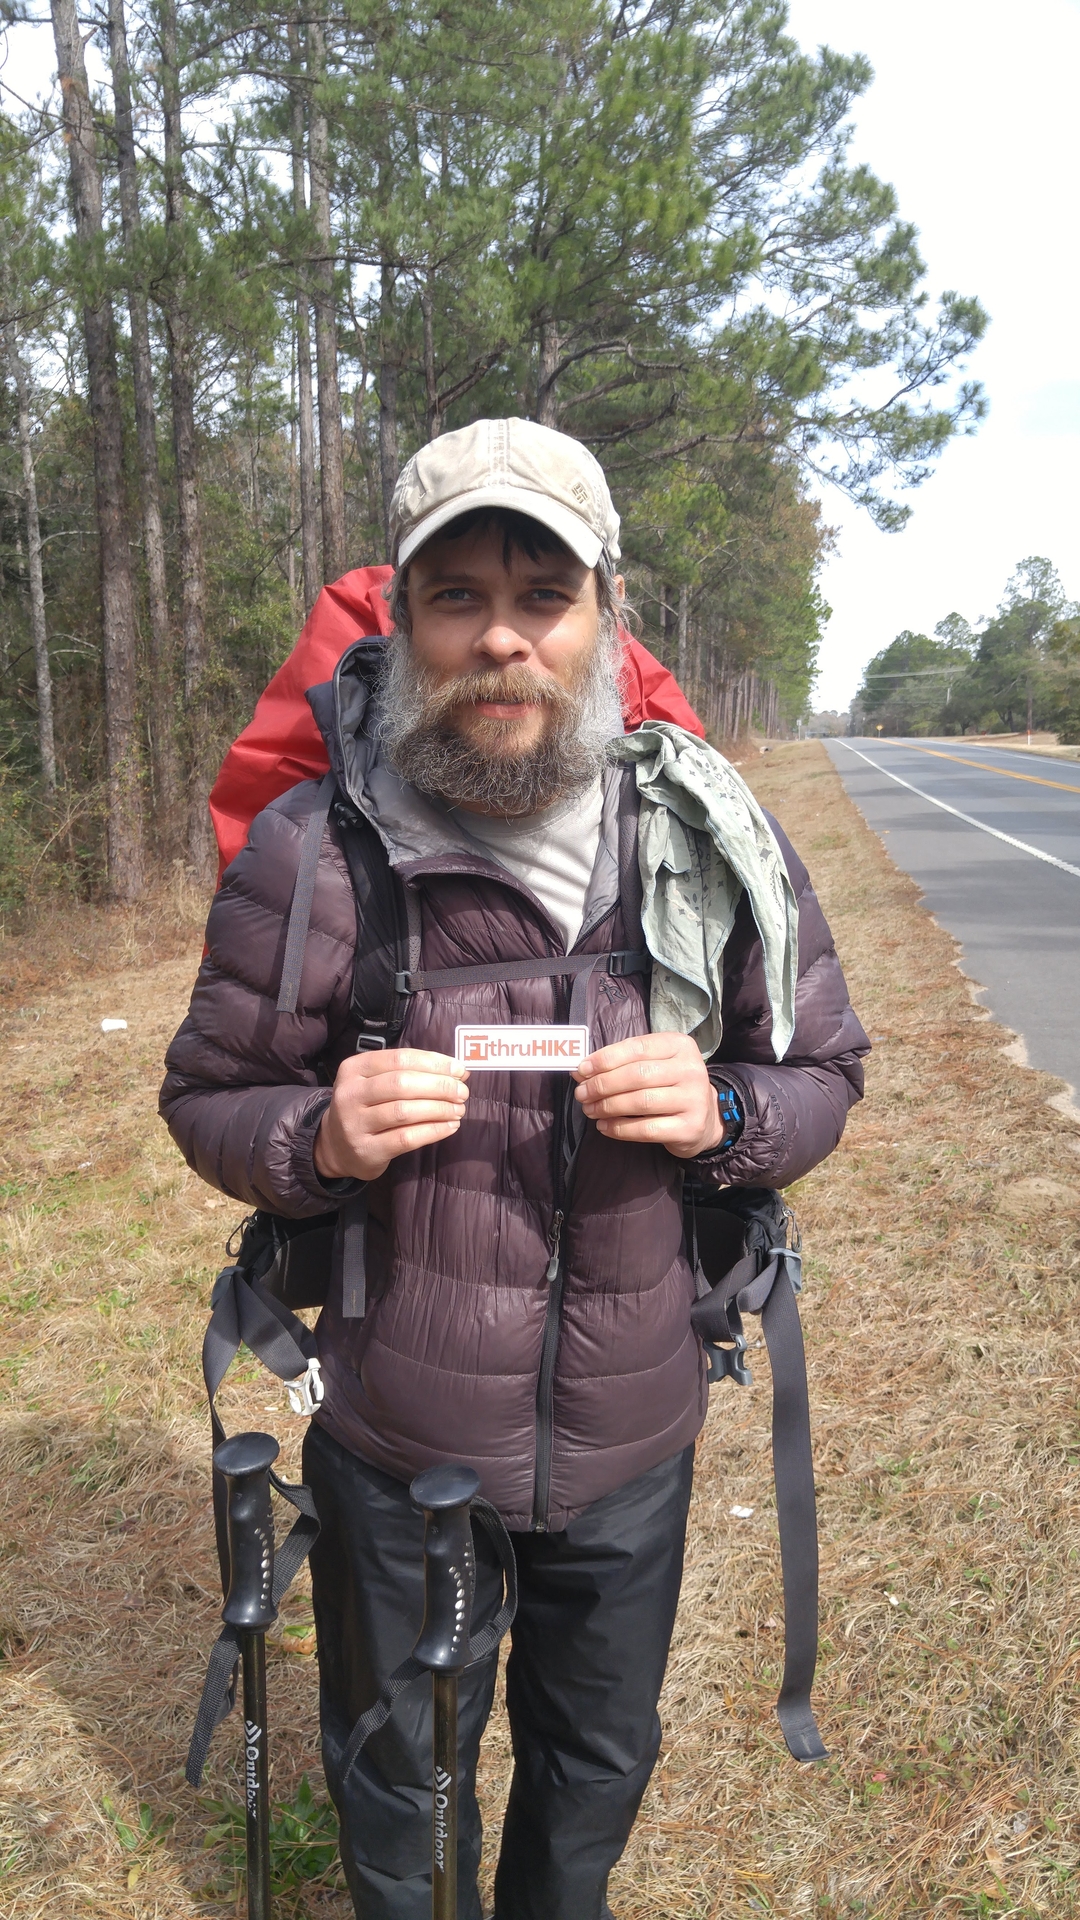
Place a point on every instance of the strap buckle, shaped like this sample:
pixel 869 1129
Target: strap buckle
pixel 726 1363
pixel 629 960
pixel 401 983
pixel 793 1266
pixel 308 1390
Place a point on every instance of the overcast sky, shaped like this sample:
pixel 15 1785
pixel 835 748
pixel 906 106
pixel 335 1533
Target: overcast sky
pixel 973 118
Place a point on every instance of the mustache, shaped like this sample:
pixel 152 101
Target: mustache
pixel 510 685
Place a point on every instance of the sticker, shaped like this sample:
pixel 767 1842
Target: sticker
pixel 521 1049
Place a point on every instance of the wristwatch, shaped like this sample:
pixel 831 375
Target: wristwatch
pixel 731 1114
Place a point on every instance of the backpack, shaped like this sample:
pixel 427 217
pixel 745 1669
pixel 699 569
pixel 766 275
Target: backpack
pixel 742 1243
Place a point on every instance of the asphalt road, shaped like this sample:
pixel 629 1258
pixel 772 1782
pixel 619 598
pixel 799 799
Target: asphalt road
pixel 993 839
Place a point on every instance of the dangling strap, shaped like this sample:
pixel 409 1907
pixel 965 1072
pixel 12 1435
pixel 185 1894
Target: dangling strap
pixel 303 895
pixel 796 1512
pixel 770 1290
pixel 242 1312
pixel 481 1645
pixel 219 1687
pixel 349 1267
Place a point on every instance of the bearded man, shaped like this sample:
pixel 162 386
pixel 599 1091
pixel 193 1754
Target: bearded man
pixel 529 1295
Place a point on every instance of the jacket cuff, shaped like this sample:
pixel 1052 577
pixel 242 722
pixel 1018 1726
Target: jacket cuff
pixel 713 1160
pixel 304 1169
pixel 724 1166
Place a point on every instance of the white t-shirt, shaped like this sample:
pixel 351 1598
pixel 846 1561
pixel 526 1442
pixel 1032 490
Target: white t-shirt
pixel 553 852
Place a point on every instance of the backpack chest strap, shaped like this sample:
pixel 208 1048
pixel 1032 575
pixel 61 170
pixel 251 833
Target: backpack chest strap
pixel 619 964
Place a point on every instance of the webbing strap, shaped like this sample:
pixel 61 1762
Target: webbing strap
pixel 772 1294
pixel 242 1312
pixel 796 1512
pixel 219 1687
pixel 481 1645
pixel 633 960
pixel 303 895
pixel 349 1269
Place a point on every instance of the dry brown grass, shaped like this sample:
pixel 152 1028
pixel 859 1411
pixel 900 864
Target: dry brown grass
pixel 54 939
pixel 942 1261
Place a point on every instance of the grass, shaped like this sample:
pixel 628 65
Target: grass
pixel 942 1262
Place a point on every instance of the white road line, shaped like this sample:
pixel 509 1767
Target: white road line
pixel 1035 852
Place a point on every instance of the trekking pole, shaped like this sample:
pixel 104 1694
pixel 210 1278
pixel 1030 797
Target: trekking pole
pixel 245 1463
pixel 444 1494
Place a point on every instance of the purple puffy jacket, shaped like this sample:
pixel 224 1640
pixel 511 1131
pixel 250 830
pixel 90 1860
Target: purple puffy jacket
pixel 467 1352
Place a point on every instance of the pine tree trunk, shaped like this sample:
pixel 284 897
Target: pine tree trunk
pixel 38 628
pixel 197 702
pixel 666 623
pixel 547 412
pixel 431 377
pixel 309 504
pixel 684 632
pixel 164 747
pixel 331 441
pixel 125 848
pixel 388 401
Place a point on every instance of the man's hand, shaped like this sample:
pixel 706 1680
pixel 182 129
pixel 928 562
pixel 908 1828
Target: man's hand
pixel 386 1104
pixel 653 1089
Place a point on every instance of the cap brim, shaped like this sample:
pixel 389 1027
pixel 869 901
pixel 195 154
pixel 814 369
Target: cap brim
pixel 573 531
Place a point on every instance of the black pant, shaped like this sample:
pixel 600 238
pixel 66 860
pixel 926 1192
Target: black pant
pixel 590 1643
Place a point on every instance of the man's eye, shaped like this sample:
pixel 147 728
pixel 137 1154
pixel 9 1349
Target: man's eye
pixel 458 594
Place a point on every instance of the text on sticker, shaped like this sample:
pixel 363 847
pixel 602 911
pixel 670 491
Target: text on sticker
pixel 521 1049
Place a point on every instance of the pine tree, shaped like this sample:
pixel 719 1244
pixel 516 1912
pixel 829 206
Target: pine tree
pixel 125 834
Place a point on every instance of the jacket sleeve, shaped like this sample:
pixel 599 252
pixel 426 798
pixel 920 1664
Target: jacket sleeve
pixel 795 1109
pixel 245 1086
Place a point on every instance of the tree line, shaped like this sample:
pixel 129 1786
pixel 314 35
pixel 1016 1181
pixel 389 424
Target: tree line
pixel 1018 671
pixel 252 258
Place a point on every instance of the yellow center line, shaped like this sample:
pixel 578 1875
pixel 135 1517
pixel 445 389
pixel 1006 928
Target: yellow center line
pixel 983 766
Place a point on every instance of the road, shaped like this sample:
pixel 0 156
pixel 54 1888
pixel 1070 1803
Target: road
pixel 993 839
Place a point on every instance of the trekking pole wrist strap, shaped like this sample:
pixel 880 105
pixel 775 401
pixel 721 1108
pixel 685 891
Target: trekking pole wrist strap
pixel 481 1645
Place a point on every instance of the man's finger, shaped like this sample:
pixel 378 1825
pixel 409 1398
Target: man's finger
pixel 411 1139
pixel 662 1127
pixel 652 1046
pixel 657 1101
pixel 408 1060
pixel 635 1073
pixel 400 1085
pixel 395 1114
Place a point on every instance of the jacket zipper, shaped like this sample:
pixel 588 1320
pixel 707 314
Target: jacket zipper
pixel 545 1379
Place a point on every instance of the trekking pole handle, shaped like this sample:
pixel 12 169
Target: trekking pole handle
pixel 444 1494
pixel 245 1461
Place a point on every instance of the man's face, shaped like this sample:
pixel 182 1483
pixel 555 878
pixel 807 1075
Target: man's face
pixel 521 625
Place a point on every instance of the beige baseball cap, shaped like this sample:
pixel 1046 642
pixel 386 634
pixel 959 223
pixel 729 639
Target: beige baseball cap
pixel 505 463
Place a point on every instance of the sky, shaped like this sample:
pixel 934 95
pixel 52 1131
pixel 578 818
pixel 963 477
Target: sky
pixel 972 118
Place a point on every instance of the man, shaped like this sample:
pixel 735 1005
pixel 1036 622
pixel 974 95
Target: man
pixel 529 1295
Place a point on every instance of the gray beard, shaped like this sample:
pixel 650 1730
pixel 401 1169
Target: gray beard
pixel 414 726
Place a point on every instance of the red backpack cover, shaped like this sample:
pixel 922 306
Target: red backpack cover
pixel 282 745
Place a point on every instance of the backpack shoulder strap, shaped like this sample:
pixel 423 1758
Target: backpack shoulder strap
pixel 383 943
pixel 303 895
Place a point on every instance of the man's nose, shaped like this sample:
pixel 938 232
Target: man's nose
pixel 501 643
